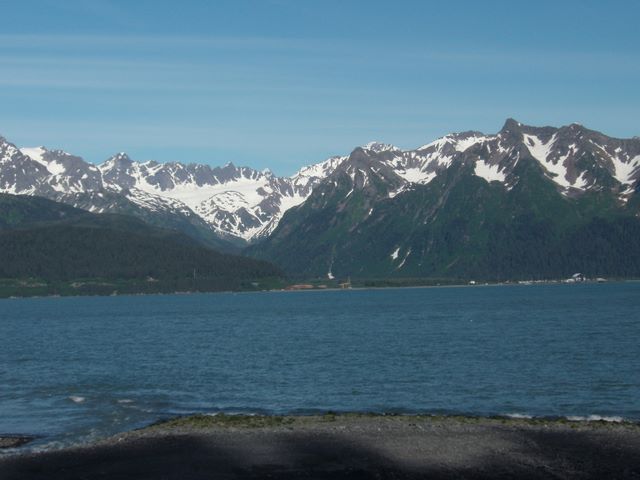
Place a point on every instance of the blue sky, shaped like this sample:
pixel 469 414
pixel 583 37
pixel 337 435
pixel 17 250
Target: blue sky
pixel 284 83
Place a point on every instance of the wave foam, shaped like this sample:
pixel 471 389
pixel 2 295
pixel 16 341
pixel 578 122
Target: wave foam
pixel 518 415
pixel 571 418
pixel 595 418
pixel 76 399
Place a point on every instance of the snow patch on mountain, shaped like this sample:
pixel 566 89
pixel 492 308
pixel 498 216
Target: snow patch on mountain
pixel 491 173
pixel 399 190
pixel 35 153
pixel 404 260
pixel 311 174
pixel 541 151
pixel 458 142
pixel 438 144
pixel 625 171
pixel 463 144
pixel 378 147
pixel 416 175
pixel 243 190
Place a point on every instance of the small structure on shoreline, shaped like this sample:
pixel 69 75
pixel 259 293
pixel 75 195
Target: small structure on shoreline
pixel 576 277
pixel 300 286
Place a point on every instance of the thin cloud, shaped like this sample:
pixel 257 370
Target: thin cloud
pixel 28 41
pixel 305 51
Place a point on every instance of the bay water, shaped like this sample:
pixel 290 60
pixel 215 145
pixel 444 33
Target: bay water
pixel 78 369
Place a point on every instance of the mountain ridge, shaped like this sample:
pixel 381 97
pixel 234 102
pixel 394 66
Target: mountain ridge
pixel 471 206
pixel 231 206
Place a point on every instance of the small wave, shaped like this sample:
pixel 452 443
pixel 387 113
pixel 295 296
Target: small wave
pixel 231 413
pixel 595 418
pixel 125 400
pixel 76 399
pixel 518 415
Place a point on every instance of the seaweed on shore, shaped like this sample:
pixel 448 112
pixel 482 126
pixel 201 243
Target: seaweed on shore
pixel 223 420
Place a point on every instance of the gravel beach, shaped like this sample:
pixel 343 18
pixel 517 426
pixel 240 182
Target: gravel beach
pixel 346 446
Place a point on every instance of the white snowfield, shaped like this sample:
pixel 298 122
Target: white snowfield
pixel 36 153
pixel 555 166
pixel 247 204
pixel 234 207
pixel 491 173
pixel 624 168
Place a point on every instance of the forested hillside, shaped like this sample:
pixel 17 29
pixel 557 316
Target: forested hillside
pixel 46 243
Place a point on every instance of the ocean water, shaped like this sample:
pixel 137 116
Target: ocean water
pixel 78 369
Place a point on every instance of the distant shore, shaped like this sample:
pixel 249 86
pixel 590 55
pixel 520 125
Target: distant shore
pixel 27 293
pixel 347 446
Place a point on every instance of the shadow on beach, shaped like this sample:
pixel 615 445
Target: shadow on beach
pixel 481 452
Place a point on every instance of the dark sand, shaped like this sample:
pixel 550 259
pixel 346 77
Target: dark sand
pixel 346 446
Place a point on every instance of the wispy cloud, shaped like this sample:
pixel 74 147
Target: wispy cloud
pixel 83 42
pixel 252 55
pixel 159 63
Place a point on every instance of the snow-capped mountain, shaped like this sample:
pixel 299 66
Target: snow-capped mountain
pixel 235 203
pixel 526 202
pixel 67 173
pixel 574 158
pixel 19 174
pixel 244 205
pixel 69 179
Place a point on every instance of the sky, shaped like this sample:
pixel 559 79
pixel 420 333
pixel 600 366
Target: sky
pixel 284 83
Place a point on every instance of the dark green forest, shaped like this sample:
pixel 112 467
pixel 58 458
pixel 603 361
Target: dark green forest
pixel 46 244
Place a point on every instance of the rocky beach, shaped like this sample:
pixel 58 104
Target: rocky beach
pixel 346 446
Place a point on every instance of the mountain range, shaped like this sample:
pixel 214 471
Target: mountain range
pixel 532 202
pixel 224 206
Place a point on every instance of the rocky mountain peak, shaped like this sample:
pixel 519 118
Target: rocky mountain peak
pixel 378 147
pixel 360 154
pixel 511 125
pixel 120 159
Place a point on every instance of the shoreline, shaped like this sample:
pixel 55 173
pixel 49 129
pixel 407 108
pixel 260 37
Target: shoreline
pixel 348 445
pixel 336 289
